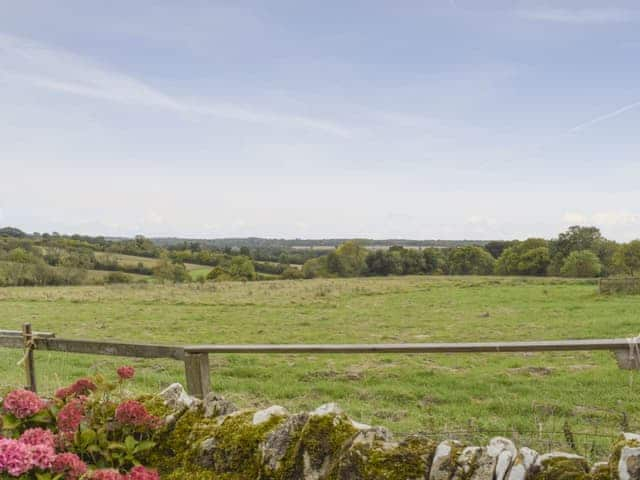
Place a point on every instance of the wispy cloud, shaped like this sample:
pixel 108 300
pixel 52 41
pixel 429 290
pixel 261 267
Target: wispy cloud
pixel 608 218
pixel 26 62
pixel 578 16
pixel 606 116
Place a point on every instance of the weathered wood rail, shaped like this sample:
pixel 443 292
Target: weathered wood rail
pixel 196 357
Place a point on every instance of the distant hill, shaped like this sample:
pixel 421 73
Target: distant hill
pixel 257 242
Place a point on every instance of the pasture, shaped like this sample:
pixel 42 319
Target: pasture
pixel 525 396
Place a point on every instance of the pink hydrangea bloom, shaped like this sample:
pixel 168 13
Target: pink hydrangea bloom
pixel 15 457
pixel 126 372
pixel 131 412
pixel 70 416
pixel 38 436
pixel 143 473
pixel 107 474
pixel 42 456
pixel 23 403
pixel 70 465
pixel 63 393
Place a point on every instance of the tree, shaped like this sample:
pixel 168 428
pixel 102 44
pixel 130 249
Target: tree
pixel 315 267
pixel 434 261
pixel 530 257
pixel 165 269
pixel 581 264
pixel 627 258
pixel 576 238
pixel 470 260
pixel 12 232
pixel 349 260
pixel 496 247
pixel 242 268
pixel 381 262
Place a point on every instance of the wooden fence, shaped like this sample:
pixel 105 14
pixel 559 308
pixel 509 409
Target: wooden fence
pixel 196 357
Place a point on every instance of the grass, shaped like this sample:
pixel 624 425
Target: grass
pixel 146 261
pixel 524 396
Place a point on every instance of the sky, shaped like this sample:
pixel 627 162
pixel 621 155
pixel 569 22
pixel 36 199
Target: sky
pixel 433 119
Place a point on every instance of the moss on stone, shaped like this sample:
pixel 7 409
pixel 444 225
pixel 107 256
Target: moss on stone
pixel 563 468
pixel 237 441
pixel 614 459
pixel 409 460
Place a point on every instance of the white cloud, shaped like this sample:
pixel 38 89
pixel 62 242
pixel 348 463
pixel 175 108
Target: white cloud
pixel 578 16
pixel 574 218
pixel 23 61
pixel 480 220
pixel 605 219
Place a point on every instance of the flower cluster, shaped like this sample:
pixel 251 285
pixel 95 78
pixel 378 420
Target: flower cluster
pixel 70 465
pixel 23 403
pixel 136 473
pixel 56 449
pixel 80 388
pixel 70 416
pixel 34 450
pixel 126 372
pixel 133 413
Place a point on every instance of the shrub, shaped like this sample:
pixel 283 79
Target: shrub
pixel 470 260
pixel 89 430
pixel 581 264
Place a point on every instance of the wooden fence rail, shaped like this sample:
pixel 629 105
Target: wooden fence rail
pixel 196 357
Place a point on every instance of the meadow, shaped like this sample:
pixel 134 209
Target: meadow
pixel 545 399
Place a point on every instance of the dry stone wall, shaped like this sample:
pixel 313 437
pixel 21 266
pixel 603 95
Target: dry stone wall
pixel 211 439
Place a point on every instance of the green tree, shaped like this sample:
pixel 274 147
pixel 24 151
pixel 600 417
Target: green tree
pixel 349 260
pixel 381 262
pixel 496 247
pixel 627 258
pixel 470 260
pixel 434 261
pixel 242 268
pixel 530 257
pixel 315 267
pixel 581 264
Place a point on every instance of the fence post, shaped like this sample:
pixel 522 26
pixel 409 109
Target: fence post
pixel 196 367
pixel 28 359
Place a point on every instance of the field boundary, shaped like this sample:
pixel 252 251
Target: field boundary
pixel 196 357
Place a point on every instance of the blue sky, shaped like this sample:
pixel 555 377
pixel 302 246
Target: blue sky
pixel 431 119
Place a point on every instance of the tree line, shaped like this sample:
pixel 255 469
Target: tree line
pixel 577 252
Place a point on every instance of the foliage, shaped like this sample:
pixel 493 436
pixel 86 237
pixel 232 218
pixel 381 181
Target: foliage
pixel 627 259
pixel 581 264
pixel 169 270
pixel 470 261
pixel 349 260
pixel 238 268
pixel 496 247
pixel 530 257
pixel 316 267
pixel 89 430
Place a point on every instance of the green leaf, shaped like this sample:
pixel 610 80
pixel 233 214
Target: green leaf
pixel 145 445
pixel 130 443
pixel 9 422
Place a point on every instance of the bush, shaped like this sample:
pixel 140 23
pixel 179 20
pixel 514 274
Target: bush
pixel 581 264
pixel 470 260
pixel 530 257
pixel 89 427
pixel 292 273
pixel 117 277
pixel 316 267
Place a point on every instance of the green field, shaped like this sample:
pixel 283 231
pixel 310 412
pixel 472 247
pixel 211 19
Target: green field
pixel 526 396
pixel 146 261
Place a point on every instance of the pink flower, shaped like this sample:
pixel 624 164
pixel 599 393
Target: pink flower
pixel 15 457
pixel 42 456
pixel 38 436
pixel 70 416
pixel 131 412
pixel 81 387
pixel 69 464
pixel 84 386
pixel 23 403
pixel 126 372
pixel 143 473
pixel 107 474
pixel 63 393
